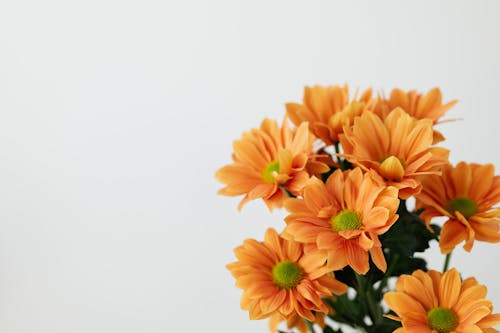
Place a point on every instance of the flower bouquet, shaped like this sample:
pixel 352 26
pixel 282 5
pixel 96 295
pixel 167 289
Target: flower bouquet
pixel 344 167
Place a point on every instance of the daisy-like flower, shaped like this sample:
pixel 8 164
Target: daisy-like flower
pixel 343 217
pixel 328 110
pixel 420 106
pixel 467 195
pixel 267 159
pixel 279 279
pixel 398 148
pixel 434 302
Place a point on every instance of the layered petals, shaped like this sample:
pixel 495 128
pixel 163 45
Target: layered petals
pixel 467 195
pixel 343 218
pixel 270 161
pixel 397 147
pixel 281 281
pixel 418 105
pixel 441 302
pixel 329 109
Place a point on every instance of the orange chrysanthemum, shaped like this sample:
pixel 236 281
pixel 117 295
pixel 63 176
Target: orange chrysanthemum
pixel 328 110
pixel 267 159
pixel 398 148
pixel 279 279
pixel 433 302
pixel 420 106
pixel 466 195
pixel 343 218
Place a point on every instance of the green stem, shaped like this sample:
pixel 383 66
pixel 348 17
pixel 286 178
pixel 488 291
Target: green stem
pixel 285 190
pixel 359 282
pixel 374 308
pixel 447 262
pixel 310 326
pixel 366 296
pixel 388 273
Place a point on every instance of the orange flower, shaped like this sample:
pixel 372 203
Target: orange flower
pixel 420 106
pixel 466 195
pixel 268 158
pixel 279 279
pixel 433 302
pixel 328 110
pixel 398 148
pixel 343 218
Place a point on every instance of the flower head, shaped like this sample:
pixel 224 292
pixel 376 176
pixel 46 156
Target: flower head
pixel 328 110
pixel 398 148
pixel 441 302
pixel 278 279
pixel 267 159
pixel 420 106
pixel 343 218
pixel 467 195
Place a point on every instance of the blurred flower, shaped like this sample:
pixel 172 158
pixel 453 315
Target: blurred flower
pixel 398 148
pixel 434 302
pixel 278 279
pixel 343 218
pixel 466 195
pixel 328 110
pixel 268 158
pixel 420 106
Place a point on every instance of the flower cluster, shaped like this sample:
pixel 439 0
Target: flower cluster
pixel 343 167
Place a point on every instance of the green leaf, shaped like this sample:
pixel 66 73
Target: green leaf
pixel 409 235
pixel 328 329
pixel 347 311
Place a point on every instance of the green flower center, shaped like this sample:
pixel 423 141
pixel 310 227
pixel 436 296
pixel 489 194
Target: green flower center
pixel 346 220
pixel 442 320
pixel 287 274
pixel 465 206
pixel 269 171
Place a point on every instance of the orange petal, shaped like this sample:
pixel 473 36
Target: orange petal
pixel 402 303
pixel 449 288
pixel 490 320
pixel 453 233
pixel 378 258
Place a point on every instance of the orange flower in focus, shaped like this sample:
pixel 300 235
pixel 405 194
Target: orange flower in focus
pixel 328 110
pixel 268 158
pixel 420 106
pixel 434 302
pixel 295 321
pixel 398 148
pixel 279 279
pixel 343 218
pixel 466 195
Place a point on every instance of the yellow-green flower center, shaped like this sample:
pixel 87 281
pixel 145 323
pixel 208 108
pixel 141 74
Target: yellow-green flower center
pixel 442 320
pixel 465 206
pixel 287 274
pixel 346 220
pixel 269 172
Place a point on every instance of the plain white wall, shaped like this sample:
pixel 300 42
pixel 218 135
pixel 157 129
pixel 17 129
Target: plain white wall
pixel 114 116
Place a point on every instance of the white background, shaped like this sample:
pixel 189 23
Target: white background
pixel 115 115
